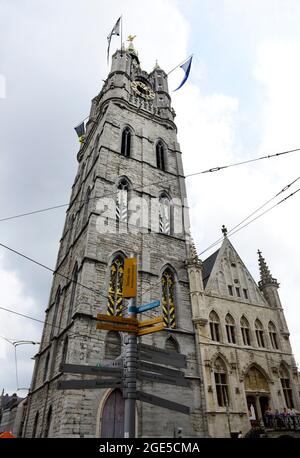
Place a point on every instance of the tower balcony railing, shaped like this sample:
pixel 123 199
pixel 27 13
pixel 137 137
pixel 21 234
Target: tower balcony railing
pixel 141 104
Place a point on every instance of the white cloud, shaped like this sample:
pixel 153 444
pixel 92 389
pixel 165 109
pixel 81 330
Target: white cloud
pixel 12 296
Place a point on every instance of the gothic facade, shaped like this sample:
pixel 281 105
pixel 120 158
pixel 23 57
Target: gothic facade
pixel 248 364
pixel 128 199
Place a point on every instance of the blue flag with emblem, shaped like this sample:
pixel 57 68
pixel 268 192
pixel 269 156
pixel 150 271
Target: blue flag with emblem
pixel 186 67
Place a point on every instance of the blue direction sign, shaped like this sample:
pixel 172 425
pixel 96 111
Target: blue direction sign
pixel 144 308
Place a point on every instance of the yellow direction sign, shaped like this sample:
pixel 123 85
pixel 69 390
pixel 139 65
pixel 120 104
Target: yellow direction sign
pixel 116 319
pixel 151 329
pixel 115 327
pixel 142 324
pixel 129 278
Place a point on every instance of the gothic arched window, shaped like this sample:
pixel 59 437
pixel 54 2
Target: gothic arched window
pixel 48 422
pixel 46 366
pixel 73 292
pixel 122 201
pixel 64 351
pixel 126 142
pixel 172 344
pixel 221 382
pixel 115 297
pixel 35 425
pixel 273 335
pixel 112 345
pixel 56 307
pixel 164 214
pixel 286 387
pixel 230 328
pixel 71 225
pixel 82 172
pixel 259 331
pixel 245 328
pixel 160 155
pixel 86 206
pixel 168 298
pixel 214 325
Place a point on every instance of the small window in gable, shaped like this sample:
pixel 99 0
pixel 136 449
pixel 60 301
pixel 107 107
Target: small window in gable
pixel 230 290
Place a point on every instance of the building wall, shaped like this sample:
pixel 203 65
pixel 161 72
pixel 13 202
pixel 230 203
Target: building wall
pixel 78 413
pixel 238 358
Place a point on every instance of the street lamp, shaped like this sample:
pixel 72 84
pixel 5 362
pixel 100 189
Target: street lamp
pixel 17 343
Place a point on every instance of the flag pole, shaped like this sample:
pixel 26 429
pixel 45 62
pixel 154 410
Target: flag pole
pixel 179 64
pixel 121 34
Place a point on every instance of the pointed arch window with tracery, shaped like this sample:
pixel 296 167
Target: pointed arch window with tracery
pixel 115 296
pixel 122 202
pixel 168 298
pixel 245 328
pixel 214 325
pixel 273 335
pixel 221 382
pixel 286 387
pixel 164 215
pixel 259 331
pixel 230 328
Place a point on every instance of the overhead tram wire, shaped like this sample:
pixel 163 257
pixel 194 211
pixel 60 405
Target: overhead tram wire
pixel 106 297
pixel 232 231
pixel 140 188
pixel 169 330
pixel 51 270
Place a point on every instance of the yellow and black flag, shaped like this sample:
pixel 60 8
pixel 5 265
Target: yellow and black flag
pixel 80 131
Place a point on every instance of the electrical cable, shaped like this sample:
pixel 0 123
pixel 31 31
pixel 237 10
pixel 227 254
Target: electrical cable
pixel 110 194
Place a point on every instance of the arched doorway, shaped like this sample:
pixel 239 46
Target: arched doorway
pixel 257 394
pixel 112 424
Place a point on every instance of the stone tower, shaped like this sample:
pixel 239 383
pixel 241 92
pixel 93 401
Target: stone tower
pixel 128 199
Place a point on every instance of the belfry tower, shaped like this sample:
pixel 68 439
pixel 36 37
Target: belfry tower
pixel 128 199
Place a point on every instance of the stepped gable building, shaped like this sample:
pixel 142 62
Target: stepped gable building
pixel 244 342
pixel 128 199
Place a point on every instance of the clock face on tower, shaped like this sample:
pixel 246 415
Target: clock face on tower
pixel 142 90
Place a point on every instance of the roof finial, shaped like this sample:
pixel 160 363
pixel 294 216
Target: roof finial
pixel 265 274
pixel 130 38
pixel 193 255
pixel 224 230
pixel 156 66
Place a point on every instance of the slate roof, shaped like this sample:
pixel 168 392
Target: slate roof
pixel 208 265
pixel 7 401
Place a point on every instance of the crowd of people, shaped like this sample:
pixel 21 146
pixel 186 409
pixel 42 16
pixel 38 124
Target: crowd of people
pixel 286 419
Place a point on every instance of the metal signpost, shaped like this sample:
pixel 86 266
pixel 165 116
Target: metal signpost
pixel 140 362
pixel 157 401
pixel 89 384
pixel 91 370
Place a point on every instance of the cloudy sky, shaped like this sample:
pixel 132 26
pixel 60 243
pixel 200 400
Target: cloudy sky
pixel 242 101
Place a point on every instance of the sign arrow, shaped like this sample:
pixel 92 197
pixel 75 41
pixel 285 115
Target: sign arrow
pixel 160 378
pixel 164 403
pixel 88 384
pixel 91 370
pixel 159 355
pixel 144 307
pixel 159 369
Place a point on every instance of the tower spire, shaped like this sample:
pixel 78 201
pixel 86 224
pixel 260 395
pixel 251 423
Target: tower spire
pixel 265 274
